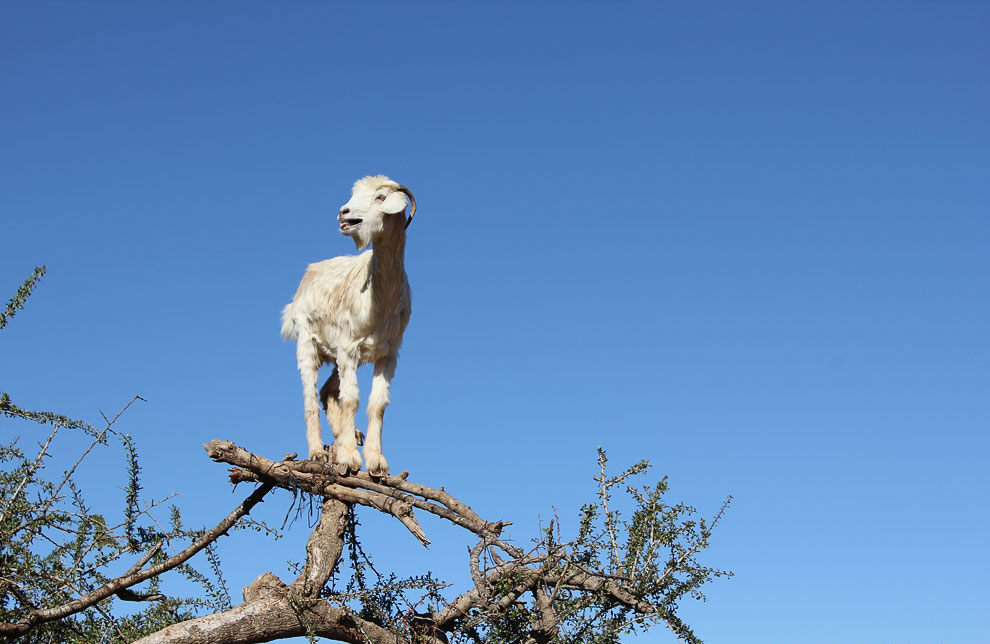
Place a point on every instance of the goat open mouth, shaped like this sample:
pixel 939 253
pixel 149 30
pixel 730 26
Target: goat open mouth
pixel 347 224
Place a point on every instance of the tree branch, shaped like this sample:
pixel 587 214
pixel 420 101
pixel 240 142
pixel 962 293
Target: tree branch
pixel 392 494
pixel 276 616
pixel 326 543
pixel 40 616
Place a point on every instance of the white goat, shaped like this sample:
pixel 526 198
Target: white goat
pixel 349 311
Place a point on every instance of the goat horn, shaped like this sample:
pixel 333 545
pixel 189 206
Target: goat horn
pixel 412 202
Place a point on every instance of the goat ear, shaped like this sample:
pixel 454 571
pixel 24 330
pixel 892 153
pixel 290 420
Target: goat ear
pixel 395 202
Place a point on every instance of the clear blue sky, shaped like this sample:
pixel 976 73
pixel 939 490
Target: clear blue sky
pixel 748 241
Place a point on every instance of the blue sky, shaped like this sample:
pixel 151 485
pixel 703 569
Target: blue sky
pixel 747 241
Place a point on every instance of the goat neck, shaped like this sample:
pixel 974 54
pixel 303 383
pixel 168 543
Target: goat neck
pixel 388 273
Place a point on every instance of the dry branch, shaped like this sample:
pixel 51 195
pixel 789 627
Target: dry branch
pixel 391 494
pixel 310 477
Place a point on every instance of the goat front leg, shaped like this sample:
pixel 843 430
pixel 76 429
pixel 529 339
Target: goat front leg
pixel 309 367
pixel 379 399
pixel 344 452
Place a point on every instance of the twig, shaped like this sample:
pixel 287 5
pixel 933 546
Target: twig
pixel 609 523
pixel 701 539
pixel 27 475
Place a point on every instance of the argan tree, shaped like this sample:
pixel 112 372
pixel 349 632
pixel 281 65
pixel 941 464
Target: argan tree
pixel 616 575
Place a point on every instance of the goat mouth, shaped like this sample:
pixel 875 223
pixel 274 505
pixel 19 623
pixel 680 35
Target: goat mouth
pixel 347 224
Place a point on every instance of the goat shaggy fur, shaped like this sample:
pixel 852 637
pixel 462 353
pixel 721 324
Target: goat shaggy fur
pixel 349 311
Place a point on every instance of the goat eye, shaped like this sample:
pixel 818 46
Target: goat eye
pixel 380 198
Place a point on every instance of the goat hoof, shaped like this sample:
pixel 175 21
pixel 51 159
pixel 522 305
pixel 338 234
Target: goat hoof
pixel 377 465
pixel 320 455
pixel 346 460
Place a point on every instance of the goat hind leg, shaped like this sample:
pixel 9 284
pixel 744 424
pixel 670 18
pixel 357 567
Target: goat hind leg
pixel 330 395
pixel 309 366
pixel 344 452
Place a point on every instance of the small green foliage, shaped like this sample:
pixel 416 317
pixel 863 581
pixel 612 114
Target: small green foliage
pixel 55 548
pixel 618 576
pixel 133 489
pixel 10 410
pixel 16 303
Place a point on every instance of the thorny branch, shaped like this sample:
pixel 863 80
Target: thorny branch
pixel 27 475
pixel 129 579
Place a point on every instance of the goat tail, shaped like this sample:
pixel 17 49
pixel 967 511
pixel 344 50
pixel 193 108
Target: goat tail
pixel 289 330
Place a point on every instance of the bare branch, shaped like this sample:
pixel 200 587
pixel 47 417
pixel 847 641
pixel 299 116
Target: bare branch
pixel 312 478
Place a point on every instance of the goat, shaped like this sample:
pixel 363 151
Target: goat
pixel 352 310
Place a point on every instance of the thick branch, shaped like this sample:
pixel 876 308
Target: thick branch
pixel 326 543
pixel 545 630
pixel 36 617
pixel 274 617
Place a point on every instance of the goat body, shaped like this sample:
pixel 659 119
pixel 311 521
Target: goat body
pixel 349 311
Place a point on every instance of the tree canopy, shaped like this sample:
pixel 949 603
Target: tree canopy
pixel 70 573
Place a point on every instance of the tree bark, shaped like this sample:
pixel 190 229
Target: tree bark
pixel 273 617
